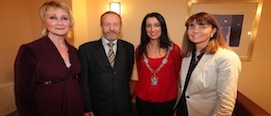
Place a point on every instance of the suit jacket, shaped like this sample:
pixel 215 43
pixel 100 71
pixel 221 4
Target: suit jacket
pixel 106 89
pixel 212 88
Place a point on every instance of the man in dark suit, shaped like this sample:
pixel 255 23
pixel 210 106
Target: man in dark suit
pixel 104 80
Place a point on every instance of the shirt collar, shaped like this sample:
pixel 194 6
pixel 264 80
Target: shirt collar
pixel 105 41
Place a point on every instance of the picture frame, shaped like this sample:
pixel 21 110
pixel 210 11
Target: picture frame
pixel 239 21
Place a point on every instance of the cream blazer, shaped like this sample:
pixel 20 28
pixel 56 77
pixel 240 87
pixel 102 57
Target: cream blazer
pixel 212 88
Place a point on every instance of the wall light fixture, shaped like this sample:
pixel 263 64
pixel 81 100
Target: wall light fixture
pixel 115 6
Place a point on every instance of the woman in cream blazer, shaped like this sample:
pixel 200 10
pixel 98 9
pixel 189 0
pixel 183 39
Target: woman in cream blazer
pixel 210 70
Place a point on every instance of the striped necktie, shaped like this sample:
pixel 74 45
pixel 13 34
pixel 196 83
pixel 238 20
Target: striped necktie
pixel 111 54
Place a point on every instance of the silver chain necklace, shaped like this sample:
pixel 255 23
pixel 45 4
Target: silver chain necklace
pixel 154 77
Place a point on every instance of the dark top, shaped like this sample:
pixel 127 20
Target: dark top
pixel 182 110
pixel 39 62
pixel 106 89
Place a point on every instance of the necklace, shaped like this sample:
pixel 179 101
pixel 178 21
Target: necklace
pixel 154 77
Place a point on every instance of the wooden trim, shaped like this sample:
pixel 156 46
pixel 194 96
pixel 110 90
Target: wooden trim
pixel 245 107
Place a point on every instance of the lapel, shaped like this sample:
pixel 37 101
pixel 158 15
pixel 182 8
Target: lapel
pixel 196 83
pixel 204 61
pixel 100 52
pixel 119 54
pixel 184 69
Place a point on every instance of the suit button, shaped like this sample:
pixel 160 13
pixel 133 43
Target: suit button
pixel 187 97
pixel 115 72
pixel 116 86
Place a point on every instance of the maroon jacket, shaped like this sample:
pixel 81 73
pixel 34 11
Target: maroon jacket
pixel 39 62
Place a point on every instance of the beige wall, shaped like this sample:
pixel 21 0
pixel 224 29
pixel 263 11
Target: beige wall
pixel 15 29
pixel 132 14
pixel 20 24
pixel 255 80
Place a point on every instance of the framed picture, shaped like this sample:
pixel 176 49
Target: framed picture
pixel 239 21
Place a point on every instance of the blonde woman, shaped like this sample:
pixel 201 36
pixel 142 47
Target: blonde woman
pixel 46 69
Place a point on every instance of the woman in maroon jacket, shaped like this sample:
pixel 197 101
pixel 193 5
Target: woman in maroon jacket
pixel 158 64
pixel 46 70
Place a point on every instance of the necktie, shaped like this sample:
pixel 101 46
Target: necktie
pixel 111 54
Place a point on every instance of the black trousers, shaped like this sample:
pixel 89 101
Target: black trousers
pixel 146 108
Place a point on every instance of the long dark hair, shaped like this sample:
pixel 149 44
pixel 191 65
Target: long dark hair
pixel 145 39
